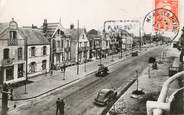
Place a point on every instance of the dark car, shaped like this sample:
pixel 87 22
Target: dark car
pixel 102 71
pixel 105 96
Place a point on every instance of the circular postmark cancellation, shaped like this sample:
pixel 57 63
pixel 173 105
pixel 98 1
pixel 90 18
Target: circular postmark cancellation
pixel 162 23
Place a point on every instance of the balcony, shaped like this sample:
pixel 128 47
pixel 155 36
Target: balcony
pixel 7 62
pixel 12 42
pixel 59 50
pixel 67 49
pixel 84 49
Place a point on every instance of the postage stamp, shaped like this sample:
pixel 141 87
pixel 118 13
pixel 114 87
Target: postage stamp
pixel 163 21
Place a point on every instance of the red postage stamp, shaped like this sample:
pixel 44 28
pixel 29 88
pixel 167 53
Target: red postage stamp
pixel 161 22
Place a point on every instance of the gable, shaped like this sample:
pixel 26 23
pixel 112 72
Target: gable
pixel 83 37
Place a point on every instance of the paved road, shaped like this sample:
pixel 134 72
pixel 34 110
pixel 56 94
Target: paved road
pixel 79 97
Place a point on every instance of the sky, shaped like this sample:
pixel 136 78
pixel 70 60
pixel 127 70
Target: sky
pixel 90 13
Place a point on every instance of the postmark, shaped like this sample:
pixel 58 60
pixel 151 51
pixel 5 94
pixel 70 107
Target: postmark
pixel 162 22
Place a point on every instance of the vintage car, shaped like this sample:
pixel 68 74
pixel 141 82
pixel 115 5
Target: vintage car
pixel 105 96
pixel 102 71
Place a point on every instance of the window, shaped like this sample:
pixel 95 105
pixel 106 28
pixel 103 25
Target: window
pixel 6 53
pixel 9 73
pixel 57 58
pixel 44 50
pixel 68 43
pixel 62 44
pixel 80 44
pixel 106 43
pixel 58 44
pixel 85 44
pixel 44 64
pixel 20 53
pixel 13 35
pixel 33 51
pixel 20 70
pixel 32 67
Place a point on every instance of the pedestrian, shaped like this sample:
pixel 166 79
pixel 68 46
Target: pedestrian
pixel 62 107
pixel 58 106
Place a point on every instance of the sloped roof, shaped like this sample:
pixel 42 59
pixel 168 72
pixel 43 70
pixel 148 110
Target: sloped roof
pixel 52 27
pixel 74 33
pixel 34 37
pixel 93 32
pixel 3 27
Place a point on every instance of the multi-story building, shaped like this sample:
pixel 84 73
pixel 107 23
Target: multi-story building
pixel 12 59
pixel 60 43
pixel 38 52
pixel 79 46
pixel 95 40
pixel 127 40
pixel 105 44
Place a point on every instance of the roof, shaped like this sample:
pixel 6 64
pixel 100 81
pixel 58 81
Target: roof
pixel 93 32
pixel 74 33
pixel 34 37
pixel 105 90
pixel 3 27
pixel 52 28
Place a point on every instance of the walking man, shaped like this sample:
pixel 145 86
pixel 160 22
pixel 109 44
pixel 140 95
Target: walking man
pixel 58 106
pixel 62 107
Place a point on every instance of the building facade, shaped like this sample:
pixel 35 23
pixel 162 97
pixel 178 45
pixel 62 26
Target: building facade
pixel 38 52
pixel 60 44
pixel 79 44
pixel 12 58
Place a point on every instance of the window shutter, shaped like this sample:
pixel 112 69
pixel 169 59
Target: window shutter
pixel 36 51
pixel 42 50
pixel 29 52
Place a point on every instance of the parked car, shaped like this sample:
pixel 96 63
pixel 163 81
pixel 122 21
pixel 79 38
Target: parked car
pixel 102 71
pixel 105 96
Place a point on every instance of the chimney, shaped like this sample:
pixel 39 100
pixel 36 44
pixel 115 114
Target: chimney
pixel 45 26
pixel 72 26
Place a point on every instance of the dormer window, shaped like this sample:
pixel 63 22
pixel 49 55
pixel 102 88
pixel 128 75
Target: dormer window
pixel 13 26
pixel 13 35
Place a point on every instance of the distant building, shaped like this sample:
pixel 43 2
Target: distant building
pixel 12 58
pixel 127 40
pixel 105 44
pixel 95 40
pixel 83 51
pixel 60 43
pixel 38 52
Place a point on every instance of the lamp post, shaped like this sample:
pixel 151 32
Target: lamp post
pixel 77 47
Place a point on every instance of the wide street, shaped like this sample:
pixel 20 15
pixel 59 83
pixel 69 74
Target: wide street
pixel 79 97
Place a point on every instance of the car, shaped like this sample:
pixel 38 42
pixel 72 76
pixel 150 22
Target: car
pixel 105 96
pixel 102 71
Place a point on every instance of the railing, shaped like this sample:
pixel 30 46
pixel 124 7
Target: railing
pixel 156 107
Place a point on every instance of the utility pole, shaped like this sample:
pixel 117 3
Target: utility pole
pixel 137 80
pixel 26 65
pixel 100 50
pixel 78 47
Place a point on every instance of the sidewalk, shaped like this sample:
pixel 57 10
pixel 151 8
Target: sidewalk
pixel 151 86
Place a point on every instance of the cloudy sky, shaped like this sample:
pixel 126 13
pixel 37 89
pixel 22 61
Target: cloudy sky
pixel 91 13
